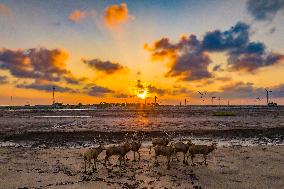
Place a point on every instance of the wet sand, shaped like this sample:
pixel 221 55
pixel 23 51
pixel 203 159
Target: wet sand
pixel 83 127
pixel 229 167
pixel 176 119
pixel 41 148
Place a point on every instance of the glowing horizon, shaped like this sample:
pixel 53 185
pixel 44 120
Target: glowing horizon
pixel 125 51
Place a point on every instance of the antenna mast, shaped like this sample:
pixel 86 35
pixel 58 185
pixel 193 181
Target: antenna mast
pixel 267 95
pixel 53 90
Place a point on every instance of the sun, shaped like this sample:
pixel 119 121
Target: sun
pixel 142 93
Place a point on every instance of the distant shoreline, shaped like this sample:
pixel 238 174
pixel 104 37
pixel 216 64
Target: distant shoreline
pixel 130 107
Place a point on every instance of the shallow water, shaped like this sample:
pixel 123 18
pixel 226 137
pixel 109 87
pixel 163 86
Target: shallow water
pixel 221 142
pixel 163 119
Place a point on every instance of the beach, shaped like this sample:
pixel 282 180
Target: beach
pixel 43 148
pixel 229 167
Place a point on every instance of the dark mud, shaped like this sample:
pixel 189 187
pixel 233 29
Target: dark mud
pixel 50 138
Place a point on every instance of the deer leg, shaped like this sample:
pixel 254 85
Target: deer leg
pixel 169 159
pixel 89 161
pixel 107 160
pixel 120 160
pixel 156 161
pixel 176 156
pixel 95 163
pixel 184 161
pixel 134 157
pixel 205 157
pixel 138 155
pixel 85 166
pixel 192 156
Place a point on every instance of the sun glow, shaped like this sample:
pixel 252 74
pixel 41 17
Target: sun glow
pixel 142 93
pixel 139 89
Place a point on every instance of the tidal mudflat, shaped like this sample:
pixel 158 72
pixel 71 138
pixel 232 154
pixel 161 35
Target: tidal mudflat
pixel 42 148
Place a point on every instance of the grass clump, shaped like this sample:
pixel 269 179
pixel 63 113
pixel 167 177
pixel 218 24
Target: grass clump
pixel 224 114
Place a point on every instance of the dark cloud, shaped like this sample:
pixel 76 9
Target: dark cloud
pixel 247 90
pixel 104 66
pixel 121 95
pixel 3 79
pixel 70 79
pixel 89 89
pixel 39 64
pixel 140 85
pixel 218 68
pixel 243 54
pixel 272 30
pixel 188 58
pixel 252 61
pixel 158 91
pixel 264 9
pixel 278 91
pixel 94 90
pixel 181 91
pixel 151 89
pixel 45 87
pixel 235 38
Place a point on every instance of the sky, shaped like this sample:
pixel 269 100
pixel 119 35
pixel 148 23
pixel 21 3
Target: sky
pixel 117 51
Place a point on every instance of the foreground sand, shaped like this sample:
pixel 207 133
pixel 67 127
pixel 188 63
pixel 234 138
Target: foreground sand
pixel 231 167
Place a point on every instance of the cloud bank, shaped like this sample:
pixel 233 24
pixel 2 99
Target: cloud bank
pixel 188 58
pixel 3 79
pixel 107 67
pixel 247 91
pixel 37 64
pixel 262 10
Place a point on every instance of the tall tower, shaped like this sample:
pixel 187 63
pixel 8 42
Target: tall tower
pixel 267 95
pixel 53 90
pixel 156 99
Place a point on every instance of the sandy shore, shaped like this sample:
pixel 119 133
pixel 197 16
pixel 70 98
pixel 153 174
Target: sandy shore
pixel 229 167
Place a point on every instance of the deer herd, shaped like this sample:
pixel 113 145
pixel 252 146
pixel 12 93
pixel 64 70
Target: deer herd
pixel 162 147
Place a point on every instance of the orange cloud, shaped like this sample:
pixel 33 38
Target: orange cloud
pixel 38 64
pixel 5 10
pixel 76 16
pixel 115 15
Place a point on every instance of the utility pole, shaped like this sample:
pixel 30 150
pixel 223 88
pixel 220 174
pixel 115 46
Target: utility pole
pixel 267 96
pixel 156 100
pixel 53 90
pixel 212 99
pixel 185 101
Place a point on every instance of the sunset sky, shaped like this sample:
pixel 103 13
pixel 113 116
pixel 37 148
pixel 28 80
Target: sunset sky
pixel 94 51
